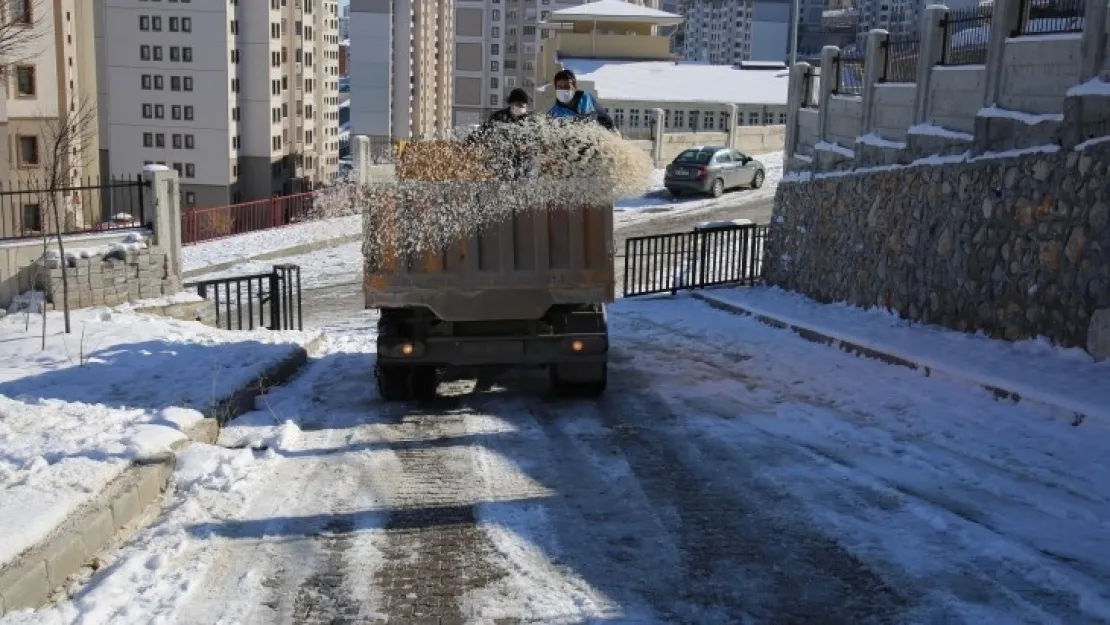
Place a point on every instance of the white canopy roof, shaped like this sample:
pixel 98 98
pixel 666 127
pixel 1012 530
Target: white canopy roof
pixel 613 11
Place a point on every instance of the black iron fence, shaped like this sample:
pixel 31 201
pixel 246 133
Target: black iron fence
pixel 1046 17
pixel 33 209
pixel 967 34
pixel 901 60
pixel 849 74
pixel 665 263
pixel 264 300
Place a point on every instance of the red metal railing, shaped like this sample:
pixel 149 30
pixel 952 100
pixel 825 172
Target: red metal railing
pixel 206 224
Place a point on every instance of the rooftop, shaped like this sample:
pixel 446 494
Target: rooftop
pixel 667 81
pixel 613 11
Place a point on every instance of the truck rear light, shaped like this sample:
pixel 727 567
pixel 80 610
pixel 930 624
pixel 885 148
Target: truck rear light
pixel 406 349
pixel 577 346
pixel 587 345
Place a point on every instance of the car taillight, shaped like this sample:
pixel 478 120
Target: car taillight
pixel 703 172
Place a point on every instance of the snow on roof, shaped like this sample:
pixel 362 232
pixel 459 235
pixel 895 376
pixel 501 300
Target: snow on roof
pixel 666 81
pixel 612 10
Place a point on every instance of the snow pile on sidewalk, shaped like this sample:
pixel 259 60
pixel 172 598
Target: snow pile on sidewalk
pixel 243 247
pixel 1034 369
pixel 333 266
pixel 73 415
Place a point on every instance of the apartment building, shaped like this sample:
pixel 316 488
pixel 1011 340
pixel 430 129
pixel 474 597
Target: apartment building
pixel 401 58
pixel 497 43
pixel 51 77
pixel 732 31
pixel 241 102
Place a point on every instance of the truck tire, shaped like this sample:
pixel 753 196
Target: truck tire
pixel 423 382
pixel 393 382
pixel 561 387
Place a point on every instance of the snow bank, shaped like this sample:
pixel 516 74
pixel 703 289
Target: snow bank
pixel 243 247
pixel 121 387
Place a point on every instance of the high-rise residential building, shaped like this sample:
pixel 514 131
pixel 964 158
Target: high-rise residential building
pixel 732 31
pixel 496 48
pixel 401 58
pixel 239 98
pixel 50 81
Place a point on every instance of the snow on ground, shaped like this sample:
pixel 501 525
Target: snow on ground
pixel 331 266
pixel 1034 368
pixel 73 415
pixel 252 244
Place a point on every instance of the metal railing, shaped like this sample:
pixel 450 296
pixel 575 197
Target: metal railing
pixel 27 209
pixel 206 224
pixel 810 90
pixel 901 60
pixel 967 34
pixel 1047 17
pixel 264 300
pixel 849 75
pixel 668 263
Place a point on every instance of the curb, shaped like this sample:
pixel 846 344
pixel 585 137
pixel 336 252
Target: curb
pixel 127 504
pixel 296 250
pixel 999 392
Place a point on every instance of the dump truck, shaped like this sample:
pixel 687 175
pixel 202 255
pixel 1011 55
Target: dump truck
pixel 527 288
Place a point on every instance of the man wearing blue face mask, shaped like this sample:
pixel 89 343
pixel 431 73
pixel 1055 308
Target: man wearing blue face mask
pixel 570 103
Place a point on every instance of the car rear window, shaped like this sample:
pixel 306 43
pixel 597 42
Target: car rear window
pixel 697 157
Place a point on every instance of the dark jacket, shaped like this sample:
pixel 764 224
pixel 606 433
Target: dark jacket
pixel 582 106
pixel 501 135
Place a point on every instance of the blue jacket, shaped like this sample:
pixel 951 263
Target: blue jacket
pixel 582 105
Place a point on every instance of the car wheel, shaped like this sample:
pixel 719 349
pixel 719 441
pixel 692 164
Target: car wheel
pixel 757 181
pixel 718 188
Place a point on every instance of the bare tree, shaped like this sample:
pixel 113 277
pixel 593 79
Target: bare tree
pixel 21 26
pixel 65 141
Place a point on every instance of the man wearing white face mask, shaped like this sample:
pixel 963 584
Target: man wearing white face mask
pixel 570 103
pixel 505 137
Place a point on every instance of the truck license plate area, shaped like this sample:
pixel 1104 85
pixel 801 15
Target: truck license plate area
pixel 495 349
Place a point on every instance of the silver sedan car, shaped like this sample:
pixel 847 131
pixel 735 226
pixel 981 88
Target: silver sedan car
pixel 712 170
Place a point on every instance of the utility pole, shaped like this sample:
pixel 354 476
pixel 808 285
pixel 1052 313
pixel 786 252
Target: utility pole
pixel 796 14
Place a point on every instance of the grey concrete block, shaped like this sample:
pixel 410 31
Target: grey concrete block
pixel 126 507
pixel 153 479
pixel 98 528
pixel 26 587
pixel 63 556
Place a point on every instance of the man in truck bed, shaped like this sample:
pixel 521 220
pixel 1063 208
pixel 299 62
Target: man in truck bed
pixel 508 138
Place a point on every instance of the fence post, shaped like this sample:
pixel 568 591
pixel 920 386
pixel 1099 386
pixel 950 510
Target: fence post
pixel 796 94
pixel 275 300
pixel 733 141
pixel 874 70
pixel 929 55
pixel 360 150
pixel 657 140
pixel 830 81
pixel 1092 47
pixel 160 195
pixel 1005 20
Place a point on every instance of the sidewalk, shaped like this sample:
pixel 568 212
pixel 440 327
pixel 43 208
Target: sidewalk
pixel 1068 379
pixel 114 397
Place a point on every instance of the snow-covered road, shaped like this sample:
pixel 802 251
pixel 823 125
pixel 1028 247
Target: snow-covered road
pixel 733 473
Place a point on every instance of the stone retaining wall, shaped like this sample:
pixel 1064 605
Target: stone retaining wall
pixel 1016 247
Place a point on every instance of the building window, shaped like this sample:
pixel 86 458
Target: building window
pixel 493 99
pixel 190 144
pixel 157 53
pixel 618 117
pixel 695 117
pixel 187 54
pixel 494 83
pixel 146 82
pixel 528 66
pixel 494 66
pixel 32 217
pixel 144 22
pixel 156 23
pixel 21 12
pixel 28 151
pixel 768 119
pixel 187 25
pixel 188 112
pixel 176 141
pixel 634 118
pixel 25 81
pixel 175 54
pixel 159 82
pixel 529 31
pixel 190 198
pixel 722 120
pixel 144 52
pixel 753 119
pixel 148 139
pixel 495 32
pixel 782 118
pixel 148 111
pixel 175 111
pixel 190 170
pixel 496 15
pixel 159 111
pixel 175 24
pixel 179 168
pixel 160 140
pixel 175 83
pixel 494 49
pixel 188 82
